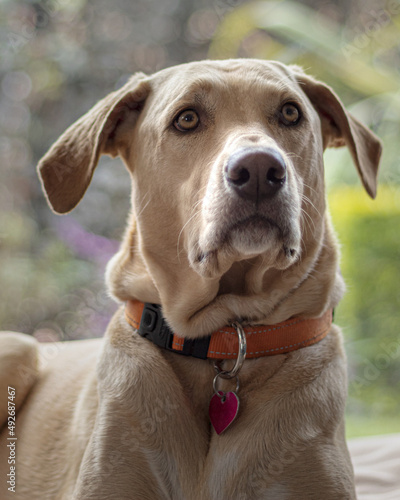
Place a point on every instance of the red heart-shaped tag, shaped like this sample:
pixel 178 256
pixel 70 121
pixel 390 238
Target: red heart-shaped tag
pixel 223 410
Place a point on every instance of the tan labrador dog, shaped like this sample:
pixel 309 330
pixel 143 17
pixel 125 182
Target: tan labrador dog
pixel 228 222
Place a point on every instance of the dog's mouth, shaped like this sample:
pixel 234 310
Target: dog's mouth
pixel 252 235
pixel 244 239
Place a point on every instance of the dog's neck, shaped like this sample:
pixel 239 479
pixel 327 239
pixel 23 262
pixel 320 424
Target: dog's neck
pixel 195 306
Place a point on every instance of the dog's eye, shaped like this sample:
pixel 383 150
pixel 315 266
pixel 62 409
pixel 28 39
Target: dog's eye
pixel 290 114
pixel 187 120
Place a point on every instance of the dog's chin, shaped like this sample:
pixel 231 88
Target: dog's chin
pixel 253 237
pixel 246 240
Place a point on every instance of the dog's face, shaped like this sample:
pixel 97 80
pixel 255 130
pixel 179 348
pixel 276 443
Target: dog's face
pixel 228 190
pixel 229 157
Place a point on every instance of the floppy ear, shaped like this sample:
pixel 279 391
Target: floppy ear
pixel 340 128
pixel 67 168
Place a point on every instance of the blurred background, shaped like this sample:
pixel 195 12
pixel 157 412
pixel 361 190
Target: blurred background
pixel 59 57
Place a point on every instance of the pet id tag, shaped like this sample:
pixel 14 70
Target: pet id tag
pixel 224 406
pixel 223 409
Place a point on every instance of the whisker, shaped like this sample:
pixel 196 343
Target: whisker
pixel 293 155
pixel 307 220
pixel 181 231
pixel 310 188
pixel 195 205
pixel 145 206
pixel 307 200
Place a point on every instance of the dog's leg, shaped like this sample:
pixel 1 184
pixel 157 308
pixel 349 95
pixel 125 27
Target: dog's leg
pixel 18 374
pixel 148 442
pixel 18 370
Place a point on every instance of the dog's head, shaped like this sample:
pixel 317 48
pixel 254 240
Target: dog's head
pixel 226 159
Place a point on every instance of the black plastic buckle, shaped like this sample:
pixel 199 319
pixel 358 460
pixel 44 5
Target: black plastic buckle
pixel 154 327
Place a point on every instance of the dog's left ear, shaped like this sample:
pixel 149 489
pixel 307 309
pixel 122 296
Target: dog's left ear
pixel 340 128
pixel 67 168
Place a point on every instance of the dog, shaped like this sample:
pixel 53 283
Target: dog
pixel 229 239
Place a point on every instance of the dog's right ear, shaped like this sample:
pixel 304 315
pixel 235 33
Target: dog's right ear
pixel 67 168
pixel 340 128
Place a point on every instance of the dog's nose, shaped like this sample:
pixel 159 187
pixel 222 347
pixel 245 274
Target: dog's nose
pixel 256 174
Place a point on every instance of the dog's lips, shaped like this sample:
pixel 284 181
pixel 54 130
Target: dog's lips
pixel 245 239
pixel 253 223
pixel 249 236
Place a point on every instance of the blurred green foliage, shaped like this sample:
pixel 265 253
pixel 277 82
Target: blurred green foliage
pixel 370 312
pixel 45 287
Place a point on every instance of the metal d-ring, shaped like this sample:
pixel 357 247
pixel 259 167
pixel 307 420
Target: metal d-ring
pixel 222 394
pixel 241 354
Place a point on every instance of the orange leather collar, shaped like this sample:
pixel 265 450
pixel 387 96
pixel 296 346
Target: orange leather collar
pixel 263 340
